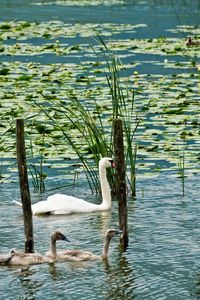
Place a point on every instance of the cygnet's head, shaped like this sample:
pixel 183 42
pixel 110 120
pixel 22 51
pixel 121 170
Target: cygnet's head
pixel 59 236
pixel 110 233
pixel 107 162
pixel 13 252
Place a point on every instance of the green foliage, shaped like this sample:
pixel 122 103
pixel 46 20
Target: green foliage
pixel 181 162
pixel 181 169
pixel 105 88
pixel 85 127
pixel 4 71
pixel 38 177
pixel 123 107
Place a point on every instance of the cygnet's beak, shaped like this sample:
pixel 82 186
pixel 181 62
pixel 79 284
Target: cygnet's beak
pixel 64 238
pixel 118 231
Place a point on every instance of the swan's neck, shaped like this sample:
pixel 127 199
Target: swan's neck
pixel 53 248
pixel 106 247
pixel 105 188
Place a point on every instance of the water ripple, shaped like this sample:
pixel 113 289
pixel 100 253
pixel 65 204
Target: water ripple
pixel 161 262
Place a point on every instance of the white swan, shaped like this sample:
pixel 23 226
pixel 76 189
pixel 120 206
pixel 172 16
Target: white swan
pixel 80 255
pixel 19 258
pixel 58 204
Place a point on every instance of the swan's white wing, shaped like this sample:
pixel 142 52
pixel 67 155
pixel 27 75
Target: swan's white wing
pixel 41 208
pixel 62 197
pixel 63 204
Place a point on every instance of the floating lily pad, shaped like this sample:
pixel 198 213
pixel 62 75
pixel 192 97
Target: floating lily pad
pixel 46 72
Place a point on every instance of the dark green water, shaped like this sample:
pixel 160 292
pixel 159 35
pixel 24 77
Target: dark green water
pixel 163 257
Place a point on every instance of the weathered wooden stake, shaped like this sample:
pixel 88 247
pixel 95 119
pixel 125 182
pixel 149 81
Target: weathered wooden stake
pixel 120 179
pixel 24 186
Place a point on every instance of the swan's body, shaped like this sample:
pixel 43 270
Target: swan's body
pixel 58 204
pixel 80 255
pixel 19 258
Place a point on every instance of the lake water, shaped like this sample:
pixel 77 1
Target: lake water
pixel 162 260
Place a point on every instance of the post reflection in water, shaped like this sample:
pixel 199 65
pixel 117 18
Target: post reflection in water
pixel 29 284
pixel 195 292
pixel 120 283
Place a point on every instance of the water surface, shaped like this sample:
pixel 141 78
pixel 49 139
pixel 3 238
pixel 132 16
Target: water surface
pixel 163 257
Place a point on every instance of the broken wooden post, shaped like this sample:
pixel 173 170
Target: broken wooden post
pixel 120 179
pixel 24 186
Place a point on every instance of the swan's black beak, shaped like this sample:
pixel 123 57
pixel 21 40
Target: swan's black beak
pixel 112 163
pixel 64 238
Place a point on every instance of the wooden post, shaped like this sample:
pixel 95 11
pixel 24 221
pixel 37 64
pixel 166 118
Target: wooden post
pixel 24 186
pixel 120 179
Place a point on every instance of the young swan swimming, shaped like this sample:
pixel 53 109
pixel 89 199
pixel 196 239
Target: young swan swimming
pixel 5 258
pixel 19 258
pixel 80 255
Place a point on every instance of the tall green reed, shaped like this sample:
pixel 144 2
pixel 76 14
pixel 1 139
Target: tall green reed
pixel 181 164
pixel 84 134
pixel 123 107
pixel 85 128
pixel 36 170
pixel 181 170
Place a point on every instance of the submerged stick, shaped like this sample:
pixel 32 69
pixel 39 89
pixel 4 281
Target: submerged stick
pixel 24 186
pixel 120 179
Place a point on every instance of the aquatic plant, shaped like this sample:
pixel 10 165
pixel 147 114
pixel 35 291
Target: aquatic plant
pixel 37 176
pixel 85 128
pixel 181 162
pixel 84 133
pixel 124 107
pixel 173 90
pixel 36 171
pixel 181 169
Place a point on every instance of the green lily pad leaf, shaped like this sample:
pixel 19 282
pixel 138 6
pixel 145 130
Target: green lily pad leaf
pixel 4 71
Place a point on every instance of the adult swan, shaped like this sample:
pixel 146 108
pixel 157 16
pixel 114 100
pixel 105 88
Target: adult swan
pixel 60 204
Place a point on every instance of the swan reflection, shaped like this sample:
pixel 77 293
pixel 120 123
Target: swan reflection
pixel 120 280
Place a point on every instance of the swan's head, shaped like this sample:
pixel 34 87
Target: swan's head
pixel 59 236
pixel 110 233
pixel 107 162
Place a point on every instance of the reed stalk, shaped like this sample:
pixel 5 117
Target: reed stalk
pixel 181 171
pixel 123 107
pixel 181 167
pixel 37 174
pixel 94 136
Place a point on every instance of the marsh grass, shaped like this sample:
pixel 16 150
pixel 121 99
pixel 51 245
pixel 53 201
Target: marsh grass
pixel 85 134
pixel 181 165
pixel 36 170
pixel 123 107
pixel 181 170
pixel 38 177
pixel 85 128
pixel 1 170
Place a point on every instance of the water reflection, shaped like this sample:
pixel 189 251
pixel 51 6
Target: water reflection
pixel 196 289
pixel 73 225
pixel 29 284
pixel 120 281
pixel 103 220
pixel 53 271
